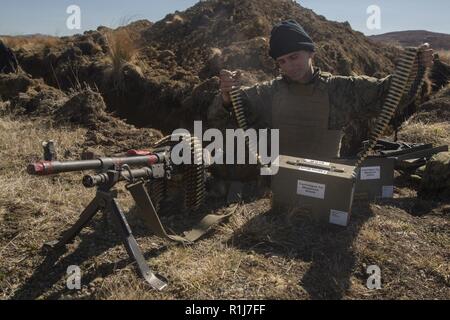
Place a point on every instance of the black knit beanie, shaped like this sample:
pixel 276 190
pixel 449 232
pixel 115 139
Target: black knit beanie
pixel 288 36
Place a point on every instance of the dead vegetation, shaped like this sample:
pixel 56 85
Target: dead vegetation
pixel 418 132
pixel 32 42
pixel 167 73
pixel 122 48
pixel 444 55
pixel 257 254
pixel 430 124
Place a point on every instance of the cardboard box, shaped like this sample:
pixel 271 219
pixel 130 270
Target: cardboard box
pixel 375 179
pixel 324 189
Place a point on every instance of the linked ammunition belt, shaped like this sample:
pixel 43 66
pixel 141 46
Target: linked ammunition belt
pixel 407 78
pixel 239 114
pixel 151 198
pixel 193 174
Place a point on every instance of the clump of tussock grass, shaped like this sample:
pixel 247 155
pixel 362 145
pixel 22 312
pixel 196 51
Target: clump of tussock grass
pixel 35 42
pixel 123 51
pixel 122 48
pixel 419 132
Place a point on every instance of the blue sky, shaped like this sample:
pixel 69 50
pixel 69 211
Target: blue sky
pixel 49 16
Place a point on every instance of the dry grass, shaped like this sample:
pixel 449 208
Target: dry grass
pixel 20 143
pixel 32 42
pixel 257 254
pixel 27 204
pixel 123 48
pixel 418 132
pixel 393 43
pixel 429 124
pixel 444 55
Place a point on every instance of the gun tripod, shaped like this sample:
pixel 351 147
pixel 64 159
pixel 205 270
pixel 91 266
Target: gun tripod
pixel 106 200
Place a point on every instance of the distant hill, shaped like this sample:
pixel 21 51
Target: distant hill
pixel 23 35
pixel 414 38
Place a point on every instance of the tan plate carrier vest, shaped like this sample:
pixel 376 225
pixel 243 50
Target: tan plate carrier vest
pixel 301 113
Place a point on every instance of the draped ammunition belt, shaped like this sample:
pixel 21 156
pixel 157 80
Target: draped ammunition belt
pixel 239 114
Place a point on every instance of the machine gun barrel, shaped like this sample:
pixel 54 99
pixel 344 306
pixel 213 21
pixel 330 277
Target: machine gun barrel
pixel 90 181
pixel 43 168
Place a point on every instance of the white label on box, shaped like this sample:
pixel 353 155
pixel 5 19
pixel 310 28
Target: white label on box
pixel 311 189
pixel 387 191
pixel 321 171
pixel 370 173
pixel 338 217
pixel 322 163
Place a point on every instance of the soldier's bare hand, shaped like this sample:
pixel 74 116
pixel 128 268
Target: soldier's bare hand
pixel 228 81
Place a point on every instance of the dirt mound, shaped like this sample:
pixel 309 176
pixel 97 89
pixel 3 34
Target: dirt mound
pixel 435 183
pixel 219 24
pixel 437 109
pixel 183 52
pixel 87 108
pixel 430 125
pixel 84 108
pixel 12 84
pixel 65 62
pixel 71 61
pixel 30 96
pixel 440 74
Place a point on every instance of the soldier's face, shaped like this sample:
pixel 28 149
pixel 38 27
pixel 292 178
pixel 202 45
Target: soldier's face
pixel 296 65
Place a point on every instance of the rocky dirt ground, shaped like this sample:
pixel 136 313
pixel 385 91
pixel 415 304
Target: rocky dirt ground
pixel 108 91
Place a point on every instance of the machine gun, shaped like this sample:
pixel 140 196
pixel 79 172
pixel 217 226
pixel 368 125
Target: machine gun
pixel 407 156
pixel 147 175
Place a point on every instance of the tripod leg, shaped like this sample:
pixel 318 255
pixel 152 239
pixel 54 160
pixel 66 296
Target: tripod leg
pixel 133 249
pixel 68 235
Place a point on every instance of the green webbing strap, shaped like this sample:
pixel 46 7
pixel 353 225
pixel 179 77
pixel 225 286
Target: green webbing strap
pixel 150 217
